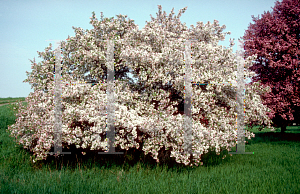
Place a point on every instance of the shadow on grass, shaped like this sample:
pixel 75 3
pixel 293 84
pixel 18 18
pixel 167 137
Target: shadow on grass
pixel 275 137
pixel 126 161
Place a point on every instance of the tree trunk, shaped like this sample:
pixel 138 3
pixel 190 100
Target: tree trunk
pixel 283 129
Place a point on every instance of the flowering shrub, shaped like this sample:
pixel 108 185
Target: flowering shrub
pixel 153 119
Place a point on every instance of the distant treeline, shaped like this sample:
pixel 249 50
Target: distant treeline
pixel 10 99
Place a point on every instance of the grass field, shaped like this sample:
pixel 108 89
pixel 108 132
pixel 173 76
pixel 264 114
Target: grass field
pixel 273 168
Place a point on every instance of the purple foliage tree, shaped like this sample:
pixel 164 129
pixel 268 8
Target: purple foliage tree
pixel 275 40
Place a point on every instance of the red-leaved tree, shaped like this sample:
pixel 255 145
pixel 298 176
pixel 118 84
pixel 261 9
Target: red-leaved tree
pixel 275 40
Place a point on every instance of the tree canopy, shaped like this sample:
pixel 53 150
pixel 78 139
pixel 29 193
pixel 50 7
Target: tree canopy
pixel 275 40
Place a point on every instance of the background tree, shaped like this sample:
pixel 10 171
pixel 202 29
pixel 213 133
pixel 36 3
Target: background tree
pixel 275 40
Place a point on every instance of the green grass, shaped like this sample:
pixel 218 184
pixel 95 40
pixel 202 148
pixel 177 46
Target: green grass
pixel 273 168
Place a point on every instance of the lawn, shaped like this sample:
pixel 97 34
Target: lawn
pixel 273 168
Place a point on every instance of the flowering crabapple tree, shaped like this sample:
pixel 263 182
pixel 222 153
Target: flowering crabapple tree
pixel 276 39
pixel 149 114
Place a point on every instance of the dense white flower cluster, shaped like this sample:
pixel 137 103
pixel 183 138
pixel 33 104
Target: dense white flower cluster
pixel 155 50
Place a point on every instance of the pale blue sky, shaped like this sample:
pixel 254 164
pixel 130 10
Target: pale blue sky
pixel 26 25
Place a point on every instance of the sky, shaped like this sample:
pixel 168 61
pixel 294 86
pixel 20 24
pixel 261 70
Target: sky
pixel 26 25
